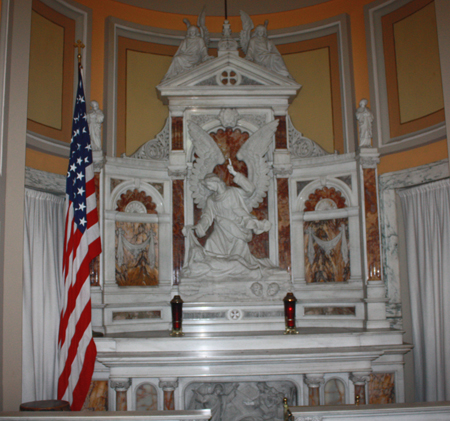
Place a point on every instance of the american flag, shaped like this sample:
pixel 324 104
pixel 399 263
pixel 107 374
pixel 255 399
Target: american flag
pixel 81 245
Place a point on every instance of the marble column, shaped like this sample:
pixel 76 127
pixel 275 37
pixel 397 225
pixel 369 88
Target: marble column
pixel 360 379
pixel 121 387
pixel 168 386
pixel 177 171
pixel 376 290
pixel 282 169
pixel 314 381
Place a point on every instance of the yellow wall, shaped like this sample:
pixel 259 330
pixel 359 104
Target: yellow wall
pixel 354 9
pixel 311 111
pixel 145 114
pixel 46 72
pixel 418 67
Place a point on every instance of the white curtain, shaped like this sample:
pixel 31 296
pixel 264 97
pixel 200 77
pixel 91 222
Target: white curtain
pixel 43 246
pixel 426 211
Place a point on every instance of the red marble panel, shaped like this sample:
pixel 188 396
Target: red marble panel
pixel 169 404
pixel 136 268
pixel 372 228
pixel 325 193
pixel 382 388
pixel 284 224
pixel 135 195
pixel 280 134
pixel 97 397
pixel 229 142
pixel 177 133
pixel 178 224
pixel 329 267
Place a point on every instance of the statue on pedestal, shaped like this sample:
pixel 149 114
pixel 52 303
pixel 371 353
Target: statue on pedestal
pixel 95 119
pixel 259 49
pixel 365 120
pixel 226 253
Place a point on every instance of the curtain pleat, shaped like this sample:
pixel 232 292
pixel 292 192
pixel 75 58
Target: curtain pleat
pixel 426 211
pixel 43 247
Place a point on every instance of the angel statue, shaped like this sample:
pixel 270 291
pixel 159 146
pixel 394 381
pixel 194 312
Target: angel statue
pixel 259 49
pixel 193 50
pixel 226 252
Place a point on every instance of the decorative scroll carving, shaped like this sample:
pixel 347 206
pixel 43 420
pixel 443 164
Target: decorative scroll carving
pixel 301 146
pixel 135 196
pixel 157 148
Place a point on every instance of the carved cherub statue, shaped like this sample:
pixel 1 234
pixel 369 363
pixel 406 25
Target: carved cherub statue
pixel 193 50
pixel 365 120
pixel 259 49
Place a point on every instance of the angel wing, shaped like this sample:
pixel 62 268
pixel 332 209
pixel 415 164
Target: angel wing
pixel 252 153
pixel 187 22
pixel 247 26
pixel 208 156
pixel 203 29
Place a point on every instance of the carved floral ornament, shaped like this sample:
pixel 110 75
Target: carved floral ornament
pixel 135 201
pixel 325 199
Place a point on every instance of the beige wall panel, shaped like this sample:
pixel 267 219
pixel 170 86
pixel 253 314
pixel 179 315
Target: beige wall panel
pixel 145 113
pixel 46 72
pixel 311 112
pixel 418 67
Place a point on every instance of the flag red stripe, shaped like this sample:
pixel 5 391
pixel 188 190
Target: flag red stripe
pixel 83 323
pixel 72 295
pixel 82 387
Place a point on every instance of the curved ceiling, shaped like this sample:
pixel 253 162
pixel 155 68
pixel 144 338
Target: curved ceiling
pixel 217 7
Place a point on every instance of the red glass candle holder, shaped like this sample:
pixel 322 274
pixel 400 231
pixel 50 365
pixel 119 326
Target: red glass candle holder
pixel 177 316
pixel 289 314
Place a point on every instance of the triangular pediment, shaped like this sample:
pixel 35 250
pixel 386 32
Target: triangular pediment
pixel 225 76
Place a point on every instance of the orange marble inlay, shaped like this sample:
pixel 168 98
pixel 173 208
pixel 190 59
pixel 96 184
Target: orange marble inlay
pixel 135 195
pixel 314 397
pixel 169 404
pixel 382 388
pixel 372 228
pixel 326 267
pixel 97 397
pixel 177 133
pixel 178 224
pixel 284 224
pixel 325 193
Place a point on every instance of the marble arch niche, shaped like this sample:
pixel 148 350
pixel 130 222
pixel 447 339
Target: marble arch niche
pixel 136 231
pixel 325 230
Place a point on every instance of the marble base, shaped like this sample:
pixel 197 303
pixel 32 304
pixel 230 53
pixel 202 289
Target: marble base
pixel 271 288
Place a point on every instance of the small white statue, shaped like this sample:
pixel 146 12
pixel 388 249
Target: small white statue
pixel 226 254
pixel 259 49
pixel 193 50
pixel 365 120
pixel 95 119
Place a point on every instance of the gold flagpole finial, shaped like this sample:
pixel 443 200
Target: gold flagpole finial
pixel 79 45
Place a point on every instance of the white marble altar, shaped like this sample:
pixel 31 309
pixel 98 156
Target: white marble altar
pixel 231 207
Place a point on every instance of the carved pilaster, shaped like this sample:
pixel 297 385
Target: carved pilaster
pixel 168 386
pixel 120 386
pixel 314 381
pixel 360 380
